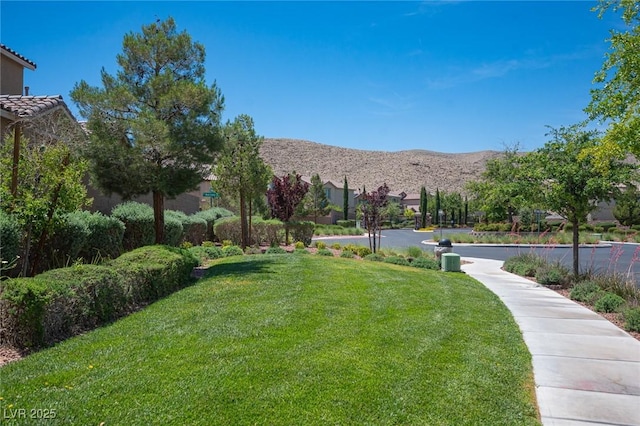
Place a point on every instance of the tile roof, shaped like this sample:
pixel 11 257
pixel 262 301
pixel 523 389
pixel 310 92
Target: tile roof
pixel 19 56
pixel 31 106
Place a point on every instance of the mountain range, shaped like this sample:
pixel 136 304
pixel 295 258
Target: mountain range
pixel 402 171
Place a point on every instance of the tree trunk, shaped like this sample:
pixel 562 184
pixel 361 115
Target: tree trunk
pixel 158 215
pixel 249 236
pixel 243 222
pixel 576 247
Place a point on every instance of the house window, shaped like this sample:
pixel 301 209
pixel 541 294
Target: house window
pixel 327 192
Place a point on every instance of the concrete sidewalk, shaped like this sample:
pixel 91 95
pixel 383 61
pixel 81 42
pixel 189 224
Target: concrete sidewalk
pixel 586 370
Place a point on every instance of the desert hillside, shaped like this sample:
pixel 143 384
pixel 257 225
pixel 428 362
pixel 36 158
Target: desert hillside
pixel 402 170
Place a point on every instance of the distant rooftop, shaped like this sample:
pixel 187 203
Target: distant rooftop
pixel 30 106
pixel 10 52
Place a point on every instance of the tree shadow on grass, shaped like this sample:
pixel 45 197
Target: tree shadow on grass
pixel 252 265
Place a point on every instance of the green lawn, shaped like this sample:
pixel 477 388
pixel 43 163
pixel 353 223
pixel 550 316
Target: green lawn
pixel 291 340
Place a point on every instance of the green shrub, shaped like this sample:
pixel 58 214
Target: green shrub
pixel 68 237
pixel 347 254
pixel 173 231
pixel 414 252
pixel 252 250
pixel 210 216
pixel 609 302
pixel 228 229
pixel 299 245
pixel 397 260
pixel 606 226
pixel 9 240
pixel 301 231
pixel 525 264
pixel 552 274
pixel 204 253
pixel 275 250
pixel 362 251
pixel 270 232
pixel 300 251
pixel 586 292
pixel 321 245
pixel 632 319
pixel 60 303
pixel 426 263
pixel 105 236
pixel 138 221
pixel 194 228
pixel 153 272
pixel 375 257
pixel 232 251
pixel 336 246
pixel 346 223
pixel 325 252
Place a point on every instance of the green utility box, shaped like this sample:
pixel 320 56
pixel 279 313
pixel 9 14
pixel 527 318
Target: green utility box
pixel 450 262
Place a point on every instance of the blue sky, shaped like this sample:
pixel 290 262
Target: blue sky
pixel 448 76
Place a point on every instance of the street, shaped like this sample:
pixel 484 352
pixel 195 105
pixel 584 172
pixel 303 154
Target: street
pixel 618 258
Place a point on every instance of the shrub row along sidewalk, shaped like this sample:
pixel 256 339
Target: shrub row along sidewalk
pixel 60 303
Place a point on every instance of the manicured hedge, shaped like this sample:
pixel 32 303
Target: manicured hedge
pixel 194 228
pixel 105 236
pixel 139 224
pixel 211 216
pixel 57 304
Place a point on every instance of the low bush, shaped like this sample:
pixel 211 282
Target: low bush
pixel 252 250
pixel 347 254
pixel 363 251
pixel 270 232
pixel 346 223
pixel 275 250
pixel 325 252
pixel 414 252
pixel 154 272
pixel 60 303
pixel 194 228
pixel 299 245
pixel 609 302
pixel 105 236
pixel 300 251
pixel 397 260
pixel 321 245
pixel 375 257
pixel 632 319
pixel 552 274
pixel 173 231
pixel 586 292
pixel 138 221
pixel 204 253
pixel 69 235
pixel 336 246
pixel 425 263
pixel 210 216
pixel 301 231
pixel 525 264
pixel 228 229
pixel 232 251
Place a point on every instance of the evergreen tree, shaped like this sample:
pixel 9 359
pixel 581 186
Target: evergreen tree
pixel 423 207
pixel 345 199
pixel 155 125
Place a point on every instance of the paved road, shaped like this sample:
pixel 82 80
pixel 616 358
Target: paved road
pixel 617 258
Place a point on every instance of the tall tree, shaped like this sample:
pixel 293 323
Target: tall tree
pixel 569 182
pixel 616 99
pixel 438 207
pixel 284 195
pixel 315 202
pixel 372 208
pixel 155 125
pixel 240 170
pixel 345 199
pixel 503 187
pixel 423 207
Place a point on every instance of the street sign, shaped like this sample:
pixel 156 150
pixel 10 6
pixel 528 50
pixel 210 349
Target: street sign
pixel 211 194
